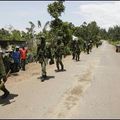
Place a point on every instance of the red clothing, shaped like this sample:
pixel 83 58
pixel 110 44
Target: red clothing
pixel 23 53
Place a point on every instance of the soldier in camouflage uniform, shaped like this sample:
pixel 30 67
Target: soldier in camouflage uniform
pixel 91 45
pixel 73 49
pixel 77 51
pixel 88 47
pixel 58 54
pixel 3 78
pixel 42 57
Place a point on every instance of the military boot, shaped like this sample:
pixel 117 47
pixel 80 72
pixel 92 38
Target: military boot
pixel 6 92
pixel 43 78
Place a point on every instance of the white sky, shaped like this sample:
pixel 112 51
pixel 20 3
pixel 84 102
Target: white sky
pixel 19 13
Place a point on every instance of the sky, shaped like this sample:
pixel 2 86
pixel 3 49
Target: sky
pixel 19 13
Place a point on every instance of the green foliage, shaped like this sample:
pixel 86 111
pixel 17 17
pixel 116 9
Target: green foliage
pixel 114 33
pixel 55 9
pixel 4 34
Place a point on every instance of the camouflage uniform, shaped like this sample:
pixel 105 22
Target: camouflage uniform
pixel 58 54
pixel 91 45
pixel 77 51
pixel 3 78
pixel 88 48
pixel 42 57
pixel 73 49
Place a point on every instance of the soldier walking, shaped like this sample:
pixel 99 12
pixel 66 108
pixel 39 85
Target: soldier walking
pixel 42 57
pixel 58 54
pixel 77 51
pixel 88 47
pixel 3 78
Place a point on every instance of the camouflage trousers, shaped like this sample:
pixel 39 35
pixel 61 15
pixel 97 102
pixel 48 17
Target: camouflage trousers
pixel 77 56
pixel 1 84
pixel 43 67
pixel 59 62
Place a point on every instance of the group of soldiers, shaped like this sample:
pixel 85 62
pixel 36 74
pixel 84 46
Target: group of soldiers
pixel 44 53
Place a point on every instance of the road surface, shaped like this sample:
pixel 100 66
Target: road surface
pixel 87 89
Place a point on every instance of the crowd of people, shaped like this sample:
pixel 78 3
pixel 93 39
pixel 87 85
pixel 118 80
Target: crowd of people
pixel 16 59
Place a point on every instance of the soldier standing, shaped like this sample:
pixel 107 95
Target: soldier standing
pixel 3 78
pixel 58 54
pixel 42 57
pixel 91 45
pixel 77 51
pixel 73 49
pixel 88 47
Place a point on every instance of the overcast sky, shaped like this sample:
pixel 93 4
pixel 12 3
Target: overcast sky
pixel 19 13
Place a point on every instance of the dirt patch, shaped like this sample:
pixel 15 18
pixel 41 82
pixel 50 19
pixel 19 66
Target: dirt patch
pixel 76 90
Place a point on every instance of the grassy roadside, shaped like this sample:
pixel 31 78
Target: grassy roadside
pixel 114 42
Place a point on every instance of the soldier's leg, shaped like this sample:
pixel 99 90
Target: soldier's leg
pixel 57 63
pixel 87 50
pixel 6 92
pixel 76 56
pixel 73 54
pixel 79 57
pixel 61 63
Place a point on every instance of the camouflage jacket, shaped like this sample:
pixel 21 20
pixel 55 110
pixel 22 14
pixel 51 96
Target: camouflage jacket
pixel 59 51
pixel 2 67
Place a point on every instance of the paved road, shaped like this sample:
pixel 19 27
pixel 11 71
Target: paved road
pixel 89 88
pixel 102 99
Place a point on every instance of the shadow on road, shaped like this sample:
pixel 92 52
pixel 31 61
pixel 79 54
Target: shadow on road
pixel 48 78
pixel 7 101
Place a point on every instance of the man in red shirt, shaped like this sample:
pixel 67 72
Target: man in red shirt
pixel 23 54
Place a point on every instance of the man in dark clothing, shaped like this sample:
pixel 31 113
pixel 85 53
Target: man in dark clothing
pixel 16 58
pixel 3 78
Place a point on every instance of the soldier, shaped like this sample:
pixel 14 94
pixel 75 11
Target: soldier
pixel 84 46
pixel 3 78
pixel 42 57
pixel 73 49
pixel 88 47
pixel 77 51
pixel 91 45
pixel 58 54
